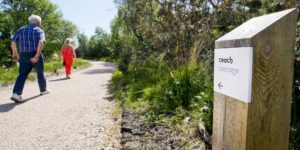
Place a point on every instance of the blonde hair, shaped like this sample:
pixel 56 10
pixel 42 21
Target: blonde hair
pixel 68 41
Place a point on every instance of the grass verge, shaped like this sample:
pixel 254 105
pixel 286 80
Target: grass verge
pixel 9 75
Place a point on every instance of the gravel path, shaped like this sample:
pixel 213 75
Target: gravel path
pixel 77 114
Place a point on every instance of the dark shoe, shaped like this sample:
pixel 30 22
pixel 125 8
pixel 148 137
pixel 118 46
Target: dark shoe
pixel 16 98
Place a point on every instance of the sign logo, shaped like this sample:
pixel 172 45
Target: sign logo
pixel 220 85
pixel 226 60
pixel 233 72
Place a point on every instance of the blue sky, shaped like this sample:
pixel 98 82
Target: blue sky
pixel 88 14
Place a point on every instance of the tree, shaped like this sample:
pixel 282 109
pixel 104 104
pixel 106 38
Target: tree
pixel 14 15
pixel 97 45
pixel 83 44
pixel 116 38
pixel 66 29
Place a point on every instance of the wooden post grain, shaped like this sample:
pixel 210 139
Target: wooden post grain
pixel 264 123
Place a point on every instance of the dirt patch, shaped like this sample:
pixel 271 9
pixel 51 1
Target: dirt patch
pixel 137 135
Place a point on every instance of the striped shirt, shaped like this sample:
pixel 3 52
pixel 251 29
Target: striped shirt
pixel 28 38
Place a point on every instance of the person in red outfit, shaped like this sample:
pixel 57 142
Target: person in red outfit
pixel 67 55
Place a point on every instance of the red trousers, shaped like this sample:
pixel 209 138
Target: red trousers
pixel 68 65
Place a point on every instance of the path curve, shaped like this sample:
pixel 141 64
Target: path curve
pixel 77 114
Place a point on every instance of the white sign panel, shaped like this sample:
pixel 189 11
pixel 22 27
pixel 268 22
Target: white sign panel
pixel 233 72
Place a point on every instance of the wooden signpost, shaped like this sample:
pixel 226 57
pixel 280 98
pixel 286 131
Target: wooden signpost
pixel 253 78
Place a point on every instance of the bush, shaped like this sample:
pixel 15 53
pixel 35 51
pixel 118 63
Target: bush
pixel 295 120
pixel 117 79
pixel 157 90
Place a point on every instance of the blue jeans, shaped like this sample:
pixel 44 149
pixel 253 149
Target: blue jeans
pixel 25 68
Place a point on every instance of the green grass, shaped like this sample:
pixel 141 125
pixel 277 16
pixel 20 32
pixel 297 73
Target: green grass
pixel 79 63
pixel 108 59
pixel 9 75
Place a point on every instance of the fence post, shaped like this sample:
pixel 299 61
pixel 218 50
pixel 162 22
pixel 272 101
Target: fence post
pixel 253 78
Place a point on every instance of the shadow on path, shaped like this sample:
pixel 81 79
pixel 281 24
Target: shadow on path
pixel 30 98
pixel 99 71
pixel 9 106
pixel 58 79
pixel 108 64
pixel 109 98
pixel 108 68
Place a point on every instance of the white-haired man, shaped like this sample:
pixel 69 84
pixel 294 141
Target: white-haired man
pixel 31 40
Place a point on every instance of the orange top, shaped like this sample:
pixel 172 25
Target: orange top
pixel 67 51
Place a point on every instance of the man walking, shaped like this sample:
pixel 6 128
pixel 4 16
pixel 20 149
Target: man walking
pixel 31 41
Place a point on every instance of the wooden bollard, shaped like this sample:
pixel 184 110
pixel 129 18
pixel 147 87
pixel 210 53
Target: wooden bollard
pixel 253 78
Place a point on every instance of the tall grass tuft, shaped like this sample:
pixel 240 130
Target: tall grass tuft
pixel 162 89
